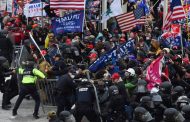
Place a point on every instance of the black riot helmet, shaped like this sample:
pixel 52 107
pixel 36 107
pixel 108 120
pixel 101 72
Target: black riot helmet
pixel 156 97
pixel 172 115
pixel 113 90
pixel 3 34
pixel 4 62
pixel 86 41
pixel 30 64
pixel 178 90
pixel 142 114
pixel 75 51
pixel 141 86
pixel 147 102
pixel 66 116
pixel 166 87
pixel 182 101
pixel 185 111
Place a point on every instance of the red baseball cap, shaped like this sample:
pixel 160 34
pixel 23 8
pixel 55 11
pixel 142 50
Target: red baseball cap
pixel 186 60
pixel 93 55
pixel 43 52
pixel 114 76
pixel 68 41
pixel 5 12
pixel 23 26
pixel 122 39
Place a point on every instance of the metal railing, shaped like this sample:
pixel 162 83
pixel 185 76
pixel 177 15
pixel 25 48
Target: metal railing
pixel 45 90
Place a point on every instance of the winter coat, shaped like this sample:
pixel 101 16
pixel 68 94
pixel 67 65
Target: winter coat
pixel 122 90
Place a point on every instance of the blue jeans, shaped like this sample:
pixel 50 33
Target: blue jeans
pixel 112 27
pixel 128 111
pixel 23 92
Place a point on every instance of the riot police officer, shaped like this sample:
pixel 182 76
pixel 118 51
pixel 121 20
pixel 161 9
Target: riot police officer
pixel 159 108
pixel 185 111
pixel 85 99
pixel 140 91
pixel 66 116
pixel 176 93
pixel 29 87
pixel 172 115
pixel 165 93
pixel 182 101
pixel 147 103
pixel 141 115
pixel 6 46
pixel 5 72
pixel 116 105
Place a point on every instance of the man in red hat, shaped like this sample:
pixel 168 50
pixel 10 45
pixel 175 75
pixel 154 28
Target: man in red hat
pixel 117 81
pixel 6 18
pixel 90 59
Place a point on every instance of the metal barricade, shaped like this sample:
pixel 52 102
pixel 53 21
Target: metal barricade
pixel 16 50
pixel 45 90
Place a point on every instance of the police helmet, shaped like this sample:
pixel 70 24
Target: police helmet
pixel 3 34
pixel 142 114
pixel 30 64
pixel 113 90
pixel 75 51
pixel 27 42
pixel 147 102
pixel 166 87
pixel 155 97
pixel 178 90
pixel 141 86
pixel 4 62
pixel 185 111
pixel 172 115
pixel 66 116
pixel 182 101
pixel 84 80
pixel 86 41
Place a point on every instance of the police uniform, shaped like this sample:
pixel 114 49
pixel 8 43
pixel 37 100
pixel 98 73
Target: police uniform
pixel 29 87
pixel 84 107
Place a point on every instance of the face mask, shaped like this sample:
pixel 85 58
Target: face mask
pixel 72 76
pixel 147 38
pixel 77 72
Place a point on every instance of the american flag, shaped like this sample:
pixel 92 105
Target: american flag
pixel 67 4
pixel 129 20
pixel 176 12
pixel 57 12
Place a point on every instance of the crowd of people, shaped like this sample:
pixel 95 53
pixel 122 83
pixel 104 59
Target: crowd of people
pixel 117 92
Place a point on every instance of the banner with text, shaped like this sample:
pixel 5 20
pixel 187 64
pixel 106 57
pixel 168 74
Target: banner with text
pixel 125 49
pixel 33 10
pixel 69 23
pixel 9 6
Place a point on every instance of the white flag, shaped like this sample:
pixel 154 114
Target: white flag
pixel 114 10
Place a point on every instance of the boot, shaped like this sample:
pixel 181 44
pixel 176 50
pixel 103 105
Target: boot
pixel 36 116
pixel 6 107
pixel 14 113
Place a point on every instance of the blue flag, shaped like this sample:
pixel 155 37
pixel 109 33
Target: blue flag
pixel 101 62
pixel 146 6
pixel 170 39
pixel 133 0
pixel 125 49
pixel 69 23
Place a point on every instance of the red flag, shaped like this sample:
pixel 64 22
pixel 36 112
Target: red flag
pixel 166 71
pixel 153 75
pixel 175 28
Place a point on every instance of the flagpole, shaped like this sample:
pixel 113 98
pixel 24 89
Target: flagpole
pixel 187 20
pixel 181 40
pixel 165 9
pixel 27 14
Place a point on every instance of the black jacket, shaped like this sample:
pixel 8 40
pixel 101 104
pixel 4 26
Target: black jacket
pixel 184 82
pixel 122 91
pixel 66 84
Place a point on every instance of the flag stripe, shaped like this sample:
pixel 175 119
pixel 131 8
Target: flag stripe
pixel 67 4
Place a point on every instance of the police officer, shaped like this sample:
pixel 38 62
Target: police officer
pixel 176 93
pixel 140 91
pixel 185 111
pixel 117 105
pixel 66 116
pixel 6 46
pixel 29 87
pixel 159 108
pixel 5 72
pixel 172 115
pixel 182 101
pixel 165 93
pixel 147 103
pixel 85 99
pixel 63 90
pixel 141 115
